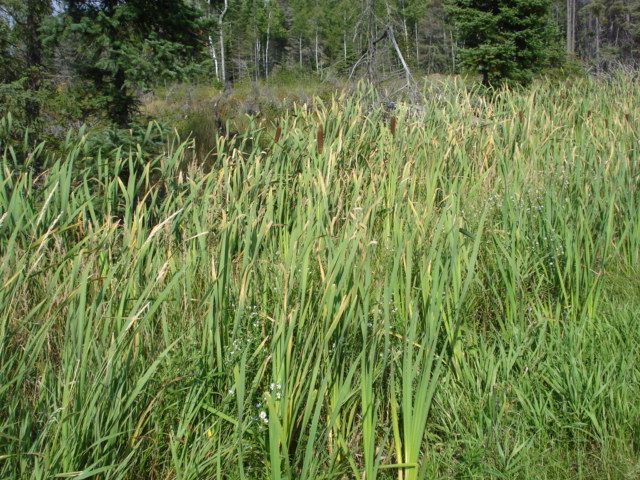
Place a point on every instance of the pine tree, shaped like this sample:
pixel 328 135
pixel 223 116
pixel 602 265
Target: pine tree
pixel 505 41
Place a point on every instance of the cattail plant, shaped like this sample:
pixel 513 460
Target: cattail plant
pixel 320 139
pixel 463 303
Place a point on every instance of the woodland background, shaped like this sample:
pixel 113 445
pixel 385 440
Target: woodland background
pixel 64 63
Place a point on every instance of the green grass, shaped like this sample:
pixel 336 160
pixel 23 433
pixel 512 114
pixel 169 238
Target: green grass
pixel 459 300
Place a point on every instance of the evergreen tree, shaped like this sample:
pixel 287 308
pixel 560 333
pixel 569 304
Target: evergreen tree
pixel 505 41
pixel 21 48
pixel 121 45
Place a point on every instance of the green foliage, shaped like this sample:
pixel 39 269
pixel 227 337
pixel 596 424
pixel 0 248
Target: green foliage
pixel 123 48
pixel 16 96
pixel 103 56
pixel 504 41
pixel 13 97
pixel 7 66
pixel 451 301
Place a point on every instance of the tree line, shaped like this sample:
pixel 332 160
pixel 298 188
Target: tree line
pixel 253 36
pixel 103 53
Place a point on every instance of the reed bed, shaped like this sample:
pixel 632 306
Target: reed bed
pixel 458 299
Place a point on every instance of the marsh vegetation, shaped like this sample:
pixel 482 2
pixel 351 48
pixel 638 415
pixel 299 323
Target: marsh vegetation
pixel 456 299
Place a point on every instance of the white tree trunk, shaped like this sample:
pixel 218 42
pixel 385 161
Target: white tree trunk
pixel 405 67
pixel 344 43
pixel 417 45
pixel 597 44
pixel 223 70
pixel 406 32
pixel 214 57
pixel 571 27
pixel 266 47
pixel 371 36
pixel 453 51
pixel 257 57
pixel 317 56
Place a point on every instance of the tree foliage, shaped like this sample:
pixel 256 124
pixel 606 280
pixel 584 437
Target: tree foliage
pixel 503 40
pixel 119 47
pixel 103 54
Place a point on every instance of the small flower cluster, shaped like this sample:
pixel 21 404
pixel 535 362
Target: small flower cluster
pixel 535 208
pixel 276 390
pixel 254 316
pixel 235 348
pixel 379 311
pixel 552 244
pixel 263 417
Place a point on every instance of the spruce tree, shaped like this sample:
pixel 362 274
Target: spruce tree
pixel 21 49
pixel 120 46
pixel 504 41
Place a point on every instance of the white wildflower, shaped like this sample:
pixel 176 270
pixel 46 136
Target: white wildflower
pixel 263 417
